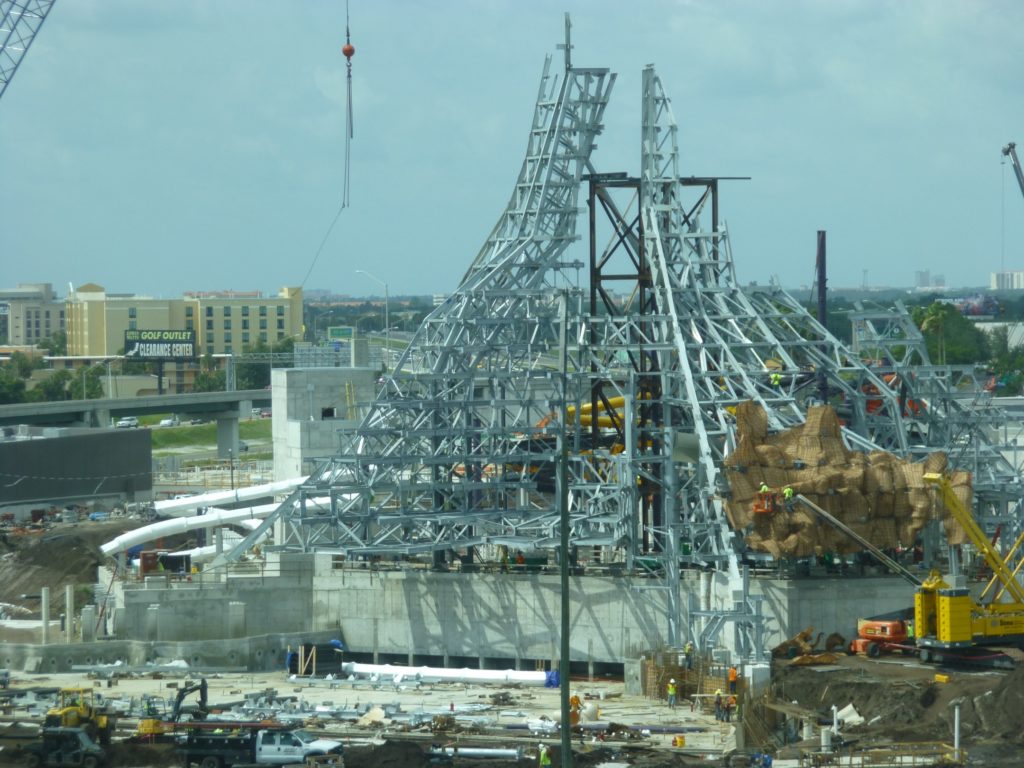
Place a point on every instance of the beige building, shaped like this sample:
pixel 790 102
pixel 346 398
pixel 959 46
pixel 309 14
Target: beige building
pixel 225 322
pixel 29 314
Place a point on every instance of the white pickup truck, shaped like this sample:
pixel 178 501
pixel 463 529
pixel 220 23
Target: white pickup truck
pixel 265 746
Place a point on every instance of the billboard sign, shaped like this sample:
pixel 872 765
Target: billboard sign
pixel 340 333
pixel 160 345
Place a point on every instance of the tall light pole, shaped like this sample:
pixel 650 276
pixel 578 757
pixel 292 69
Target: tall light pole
pixel 316 325
pixel 387 317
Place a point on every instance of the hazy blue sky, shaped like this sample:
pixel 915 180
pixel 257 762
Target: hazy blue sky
pixel 158 146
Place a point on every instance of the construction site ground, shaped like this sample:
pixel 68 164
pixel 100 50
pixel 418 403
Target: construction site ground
pixel 897 696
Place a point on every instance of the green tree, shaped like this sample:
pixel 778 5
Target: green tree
pixel 24 364
pixel 12 386
pixel 209 379
pixel 951 337
pixel 59 385
pixel 56 345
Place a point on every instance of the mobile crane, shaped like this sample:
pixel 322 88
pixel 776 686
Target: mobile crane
pixel 19 23
pixel 1010 150
pixel 948 619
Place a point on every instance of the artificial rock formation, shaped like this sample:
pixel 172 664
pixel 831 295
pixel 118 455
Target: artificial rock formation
pixel 881 497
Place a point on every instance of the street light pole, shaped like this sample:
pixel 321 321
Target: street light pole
pixel 387 318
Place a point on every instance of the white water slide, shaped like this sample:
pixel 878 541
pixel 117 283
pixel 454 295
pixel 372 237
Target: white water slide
pixel 184 519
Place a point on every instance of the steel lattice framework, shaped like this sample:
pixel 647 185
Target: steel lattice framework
pixel 460 447
pixel 20 20
pixel 946 408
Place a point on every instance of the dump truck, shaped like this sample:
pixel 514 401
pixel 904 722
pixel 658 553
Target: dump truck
pixel 64 746
pixel 253 746
pixel 78 708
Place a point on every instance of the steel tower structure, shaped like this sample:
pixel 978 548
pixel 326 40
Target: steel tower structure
pixel 639 385
pixel 20 21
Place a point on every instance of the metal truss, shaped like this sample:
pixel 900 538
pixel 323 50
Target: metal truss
pixel 636 375
pixel 946 408
pixel 20 20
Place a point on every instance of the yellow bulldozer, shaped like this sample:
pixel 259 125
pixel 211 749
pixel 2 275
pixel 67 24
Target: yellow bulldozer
pixel 77 708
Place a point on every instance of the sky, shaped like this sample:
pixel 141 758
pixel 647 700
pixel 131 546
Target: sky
pixel 162 146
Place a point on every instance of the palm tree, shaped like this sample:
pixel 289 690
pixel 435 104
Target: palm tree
pixel 935 322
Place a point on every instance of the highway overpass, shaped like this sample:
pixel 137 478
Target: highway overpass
pixel 223 407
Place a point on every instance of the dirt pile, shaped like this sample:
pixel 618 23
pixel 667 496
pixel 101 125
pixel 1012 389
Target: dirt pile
pixel 996 714
pixel 64 554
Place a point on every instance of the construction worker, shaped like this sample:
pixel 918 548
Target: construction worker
pixel 688 653
pixel 787 496
pixel 909 624
pixel 672 693
pixel 543 756
pixel 503 557
pixel 718 704
pixel 575 703
pixel 776 379
pixel 727 710
pixel 764 488
pixel 733 674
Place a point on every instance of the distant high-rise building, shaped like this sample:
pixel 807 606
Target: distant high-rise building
pixel 30 313
pixel 922 279
pixel 225 322
pixel 1006 281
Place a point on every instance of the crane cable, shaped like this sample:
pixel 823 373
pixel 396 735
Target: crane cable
pixel 348 50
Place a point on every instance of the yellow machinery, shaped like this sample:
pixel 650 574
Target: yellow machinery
pixel 77 708
pixel 948 618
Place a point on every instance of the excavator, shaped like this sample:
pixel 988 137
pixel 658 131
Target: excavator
pixel 152 728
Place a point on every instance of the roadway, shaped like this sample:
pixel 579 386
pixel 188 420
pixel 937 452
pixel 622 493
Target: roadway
pixel 99 412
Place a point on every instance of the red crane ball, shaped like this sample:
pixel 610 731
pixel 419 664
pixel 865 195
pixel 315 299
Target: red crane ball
pixel 348 49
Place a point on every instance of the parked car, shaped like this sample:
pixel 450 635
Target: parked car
pixel 171 422
pixel 126 422
pixel 265 413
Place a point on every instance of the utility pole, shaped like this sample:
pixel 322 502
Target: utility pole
pixel 563 550
pixel 387 317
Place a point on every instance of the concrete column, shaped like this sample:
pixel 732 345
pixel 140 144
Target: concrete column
pixel 69 613
pixel 153 622
pixel 376 651
pixel 227 436
pixel 236 619
pixel 590 659
pixel 219 534
pixel 88 623
pixel 44 598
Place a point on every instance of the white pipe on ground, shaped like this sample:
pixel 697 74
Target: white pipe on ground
pixel 495 753
pixel 956 731
pixel 442 674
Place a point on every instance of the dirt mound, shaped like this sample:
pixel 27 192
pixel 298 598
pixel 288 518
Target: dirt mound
pixel 901 700
pixel 55 557
pixel 997 714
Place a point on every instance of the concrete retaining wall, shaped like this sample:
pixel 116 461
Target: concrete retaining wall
pixel 488 617
pixel 260 653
